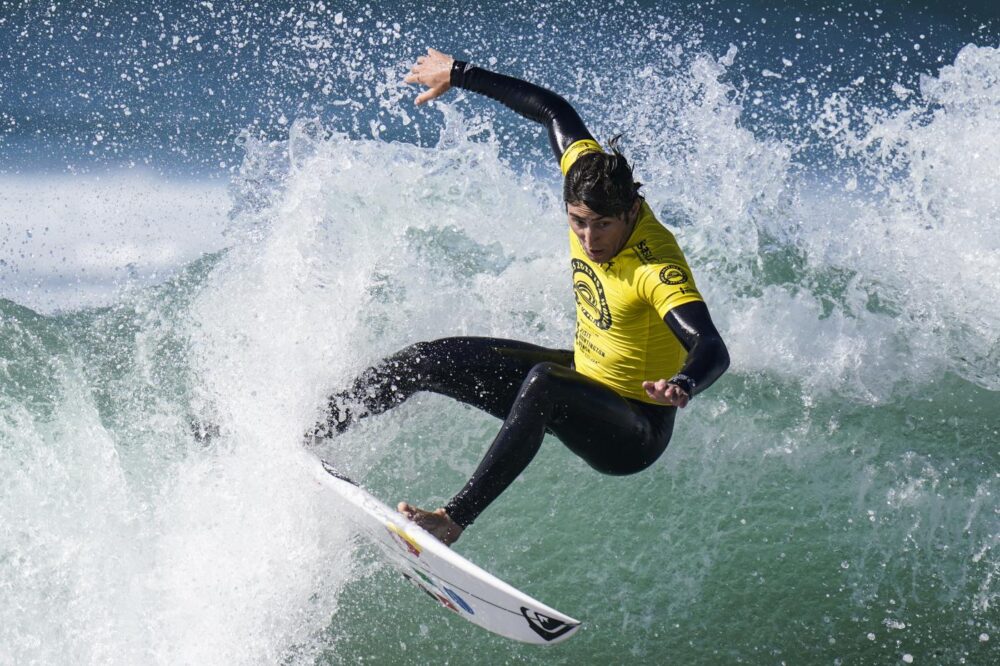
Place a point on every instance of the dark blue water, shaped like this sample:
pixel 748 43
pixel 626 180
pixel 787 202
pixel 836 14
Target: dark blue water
pixel 174 85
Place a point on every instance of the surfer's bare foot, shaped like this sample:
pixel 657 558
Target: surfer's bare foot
pixel 438 523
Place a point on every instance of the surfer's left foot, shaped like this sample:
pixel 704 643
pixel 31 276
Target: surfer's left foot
pixel 438 523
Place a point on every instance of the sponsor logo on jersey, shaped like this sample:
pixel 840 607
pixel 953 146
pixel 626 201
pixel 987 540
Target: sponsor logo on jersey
pixel 643 253
pixel 673 274
pixel 590 295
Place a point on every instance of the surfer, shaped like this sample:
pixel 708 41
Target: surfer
pixel 645 344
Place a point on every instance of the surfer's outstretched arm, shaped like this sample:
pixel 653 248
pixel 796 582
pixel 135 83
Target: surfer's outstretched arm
pixel 439 72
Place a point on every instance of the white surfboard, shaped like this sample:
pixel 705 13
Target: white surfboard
pixel 444 575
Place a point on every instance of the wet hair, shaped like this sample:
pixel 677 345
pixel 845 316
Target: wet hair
pixel 602 181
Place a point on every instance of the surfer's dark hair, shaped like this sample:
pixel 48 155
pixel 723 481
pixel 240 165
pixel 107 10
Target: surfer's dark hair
pixel 602 181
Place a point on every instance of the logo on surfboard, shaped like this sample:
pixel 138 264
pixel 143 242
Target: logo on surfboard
pixel 431 574
pixel 403 539
pixel 440 598
pixel 459 600
pixel 434 591
pixel 545 626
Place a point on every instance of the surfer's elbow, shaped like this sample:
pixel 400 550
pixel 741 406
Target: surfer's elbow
pixel 720 354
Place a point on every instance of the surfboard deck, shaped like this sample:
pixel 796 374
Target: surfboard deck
pixel 445 576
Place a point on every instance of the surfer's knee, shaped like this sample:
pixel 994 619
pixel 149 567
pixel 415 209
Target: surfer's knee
pixel 541 377
pixel 626 458
pixel 628 465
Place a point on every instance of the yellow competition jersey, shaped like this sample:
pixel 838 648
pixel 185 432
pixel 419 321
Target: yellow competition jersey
pixel 621 338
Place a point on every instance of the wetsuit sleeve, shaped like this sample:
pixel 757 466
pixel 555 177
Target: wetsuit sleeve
pixel 669 287
pixel 566 129
pixel 707 355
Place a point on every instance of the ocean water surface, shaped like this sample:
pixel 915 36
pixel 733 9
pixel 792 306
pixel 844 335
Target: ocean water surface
pixel 216 213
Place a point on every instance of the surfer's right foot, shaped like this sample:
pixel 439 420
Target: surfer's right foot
pixel 438 523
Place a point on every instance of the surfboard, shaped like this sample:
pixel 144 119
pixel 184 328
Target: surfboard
pixel 445 576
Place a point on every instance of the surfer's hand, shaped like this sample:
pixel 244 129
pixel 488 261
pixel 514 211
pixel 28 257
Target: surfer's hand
pixel 434 71
pixel 666 393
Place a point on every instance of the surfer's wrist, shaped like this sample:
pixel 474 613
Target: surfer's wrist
pixel 684 383
pixel 458 71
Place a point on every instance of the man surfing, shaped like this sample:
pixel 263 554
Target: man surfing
pixel 645 343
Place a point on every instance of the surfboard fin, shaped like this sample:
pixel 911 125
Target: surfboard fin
pixel 337 474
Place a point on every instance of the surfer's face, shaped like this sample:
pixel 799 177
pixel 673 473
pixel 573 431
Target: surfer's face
pixel 600 236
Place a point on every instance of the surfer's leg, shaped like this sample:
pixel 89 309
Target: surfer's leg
pixel 483 372
pixel 614 435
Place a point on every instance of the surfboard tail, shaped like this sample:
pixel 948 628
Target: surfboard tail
pixel 445 576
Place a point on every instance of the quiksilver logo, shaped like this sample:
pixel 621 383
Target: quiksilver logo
pixel 546 627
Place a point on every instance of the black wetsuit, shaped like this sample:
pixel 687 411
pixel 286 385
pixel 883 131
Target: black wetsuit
pixel 534 390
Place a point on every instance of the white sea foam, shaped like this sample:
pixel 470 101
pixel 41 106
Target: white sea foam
pixel 927 239
pixel 76 241
pixel 894 279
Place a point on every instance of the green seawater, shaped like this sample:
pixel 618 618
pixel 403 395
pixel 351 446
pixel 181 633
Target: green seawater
pixel 777 534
